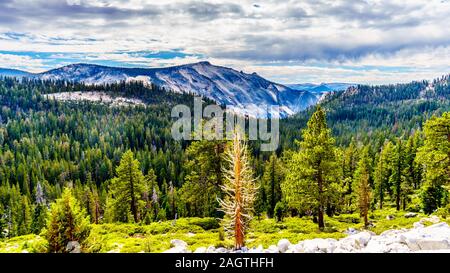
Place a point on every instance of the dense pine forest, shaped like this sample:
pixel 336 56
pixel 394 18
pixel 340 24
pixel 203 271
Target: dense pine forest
pixel 361 150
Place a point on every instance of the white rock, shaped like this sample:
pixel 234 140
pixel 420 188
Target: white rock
pixel 433 244
pixel 310 246
pixel 440 225
pixel 273 249
pixel 221 250
pixel 354 242
pixel 329 246
pixel 178 243
pixel 297 248
pixel 210 249
pixel 411 242
pixel 418 225
pixel 410 214
pixel 259 249
pixel 177 249
pixel 345 245
pixel 374 246
pixel 390 232
pixel 361 239
pixel 351 231
pixel 283 245
pixel 434 251
pixel 200 250
pixel 339 249
pixel 319 245
pixel 73 247
pixel 433 219
pixel 398 248
pixel 390 217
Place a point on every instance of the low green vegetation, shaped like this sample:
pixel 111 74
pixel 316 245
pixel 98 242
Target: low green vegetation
pixel 204 232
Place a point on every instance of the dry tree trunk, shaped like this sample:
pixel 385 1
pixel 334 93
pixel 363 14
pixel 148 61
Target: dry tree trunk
pixel 239 189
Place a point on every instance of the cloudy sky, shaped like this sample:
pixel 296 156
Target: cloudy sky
pixel 361 41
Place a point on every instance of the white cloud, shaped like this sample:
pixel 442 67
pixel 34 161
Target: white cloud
pixel 20 62
pixel 345 37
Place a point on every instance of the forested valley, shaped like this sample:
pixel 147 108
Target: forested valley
pixel 360 155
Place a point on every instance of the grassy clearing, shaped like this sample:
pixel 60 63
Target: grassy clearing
pixel 204 232
pixel 27 243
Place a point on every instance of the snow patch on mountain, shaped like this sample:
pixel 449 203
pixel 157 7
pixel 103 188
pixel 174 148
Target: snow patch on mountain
pixel 98 97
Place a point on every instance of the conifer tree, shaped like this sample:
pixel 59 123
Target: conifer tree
pixel 260 205
pixel 350 161
pixel 172 200
pixel 412 170
pixel 25 216
pixel 203 177
pixel 15 213
pixel 271 181
pixel 434 156
pixel 94 203
pixel 127 189
pixel 150 185
pixel 312 172
pixel 362 183
pixel 383 172
pixel 67 222
pixel 397 178
pixel 39 218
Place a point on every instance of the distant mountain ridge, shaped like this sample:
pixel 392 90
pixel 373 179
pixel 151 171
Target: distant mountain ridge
pixel 437 89
pixel 13 72
pixel 321 88
pixel 246 93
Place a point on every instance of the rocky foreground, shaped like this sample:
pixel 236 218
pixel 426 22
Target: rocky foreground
pixel 420 238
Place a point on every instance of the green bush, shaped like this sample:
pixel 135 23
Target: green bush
pixel 443 212
pixel 432 197
pixel 205 223
pixel 348 218
pixel 39 245
pixel 221 234
pixel 279 211
pixel 415 204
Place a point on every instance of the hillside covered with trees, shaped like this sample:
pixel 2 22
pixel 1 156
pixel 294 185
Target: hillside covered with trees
pixel 364 151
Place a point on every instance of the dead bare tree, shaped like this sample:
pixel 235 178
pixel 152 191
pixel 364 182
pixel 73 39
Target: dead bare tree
pixel 239 189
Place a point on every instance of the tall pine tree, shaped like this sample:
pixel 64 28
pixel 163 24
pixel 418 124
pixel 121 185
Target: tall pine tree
pixel 435 159
pixel 313 170
pixel 271 181
pixel 397 178
pixel 362 183
pixel 383 172
pixel 127 189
